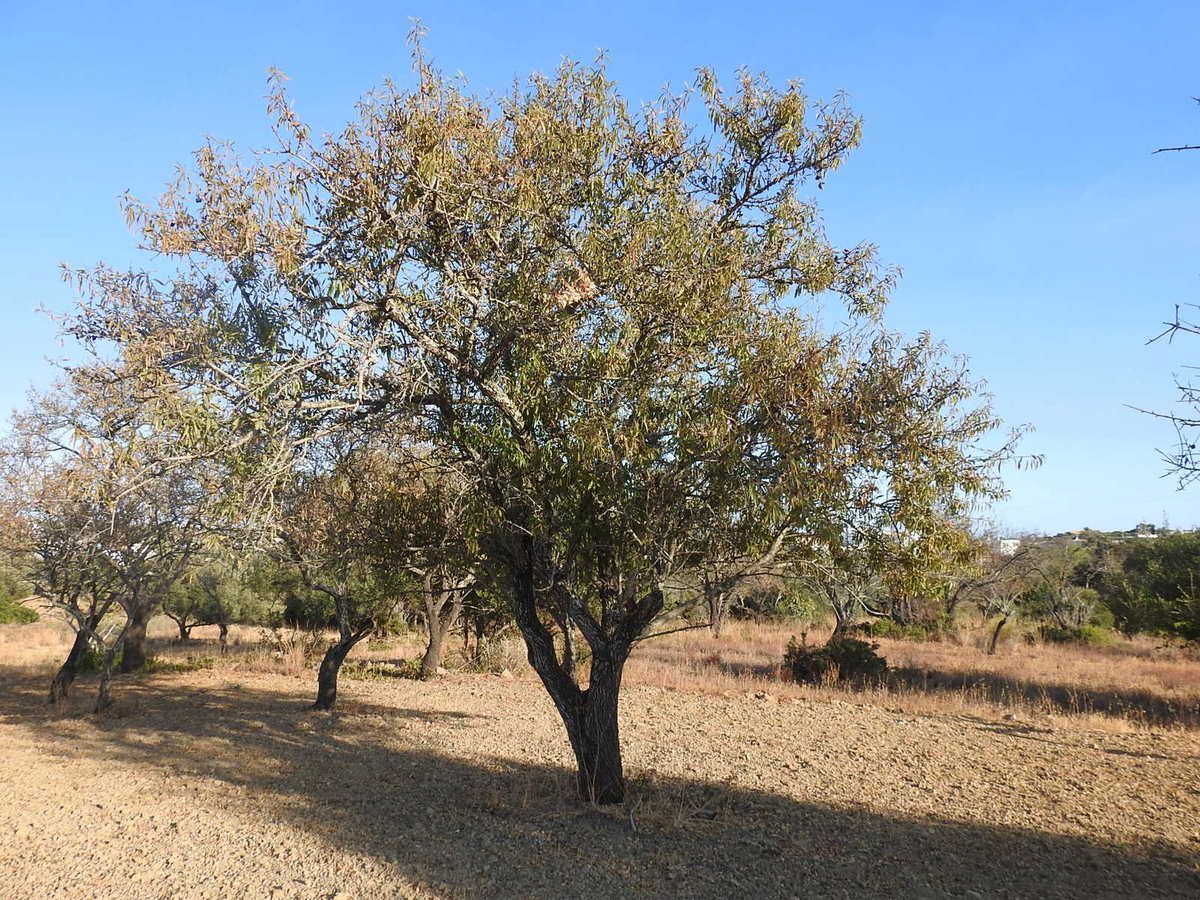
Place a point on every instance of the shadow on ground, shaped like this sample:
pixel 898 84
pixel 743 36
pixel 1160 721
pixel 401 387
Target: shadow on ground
pixel 502 829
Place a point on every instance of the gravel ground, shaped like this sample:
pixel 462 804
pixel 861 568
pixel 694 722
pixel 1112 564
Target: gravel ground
pixel 211 784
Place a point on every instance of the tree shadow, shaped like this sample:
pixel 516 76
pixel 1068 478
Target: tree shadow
pixel 499 828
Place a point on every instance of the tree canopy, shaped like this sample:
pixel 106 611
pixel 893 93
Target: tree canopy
pixel 607 321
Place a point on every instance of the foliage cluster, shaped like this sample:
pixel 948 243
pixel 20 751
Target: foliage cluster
pixel 841 659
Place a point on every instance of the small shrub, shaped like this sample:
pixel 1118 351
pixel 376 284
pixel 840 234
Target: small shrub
pixel 497 654
pixel 915 631
pixel 1091 635
pixel 373 670
pixel 14 613
pixel 291 644
pixel 93 661
pixel 844 659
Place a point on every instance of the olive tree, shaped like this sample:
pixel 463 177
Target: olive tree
pixel 591 312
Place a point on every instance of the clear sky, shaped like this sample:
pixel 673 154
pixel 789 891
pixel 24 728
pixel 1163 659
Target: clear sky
pixel 1006 167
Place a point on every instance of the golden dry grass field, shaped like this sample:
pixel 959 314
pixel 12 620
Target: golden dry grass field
pixel 1019 775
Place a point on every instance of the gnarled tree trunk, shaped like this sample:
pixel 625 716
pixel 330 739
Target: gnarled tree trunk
pixel 65 676
pixel 590 715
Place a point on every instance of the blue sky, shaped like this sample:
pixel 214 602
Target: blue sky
pixel 1006 167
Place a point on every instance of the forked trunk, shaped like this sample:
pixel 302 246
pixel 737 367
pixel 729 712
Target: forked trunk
pixel 65 677
pixel 185 631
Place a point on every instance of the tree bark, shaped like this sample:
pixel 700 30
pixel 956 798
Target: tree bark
pixel 104 694
pixel 134 657
pixel 65 677
pixel 185 631
pixel 595 735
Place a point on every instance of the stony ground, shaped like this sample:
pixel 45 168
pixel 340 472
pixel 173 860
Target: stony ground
pixel 221 784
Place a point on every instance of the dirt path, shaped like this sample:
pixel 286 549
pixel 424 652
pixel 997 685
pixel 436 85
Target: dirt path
pixel 216 784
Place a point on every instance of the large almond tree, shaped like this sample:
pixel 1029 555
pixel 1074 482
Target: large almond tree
pixel 604 317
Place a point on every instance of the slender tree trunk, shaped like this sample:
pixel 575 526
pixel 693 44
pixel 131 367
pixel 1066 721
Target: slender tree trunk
pixel 590 716
pixel 135 640
pixel 104 693
pixel 717 607
pixel 65 677
pixel 996 635
pixel 331 665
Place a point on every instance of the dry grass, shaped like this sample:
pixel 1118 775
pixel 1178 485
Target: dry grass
pixel 1131 685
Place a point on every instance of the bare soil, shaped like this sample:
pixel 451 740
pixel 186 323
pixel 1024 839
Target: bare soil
pixel 221 784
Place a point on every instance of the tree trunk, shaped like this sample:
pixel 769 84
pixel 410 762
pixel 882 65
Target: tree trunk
pixel 432 660
pixel 718 605
pixel 104 694
pixel 65 677
pixel 439 620
pixel 996 636
pixel 595 736
pixel 568 662
pixel 134 657
pixel 185 631
pixel 327 676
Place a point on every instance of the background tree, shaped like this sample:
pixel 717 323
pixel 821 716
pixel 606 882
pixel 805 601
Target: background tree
pixel 105 522
pixel 216 592
pixel 324 526
pixel 1159 588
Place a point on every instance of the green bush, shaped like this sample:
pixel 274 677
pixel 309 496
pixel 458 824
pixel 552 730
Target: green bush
pixel 1092 635
pixel 915 631
pixel 844 659
pixel 14 613
pixel 93 661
